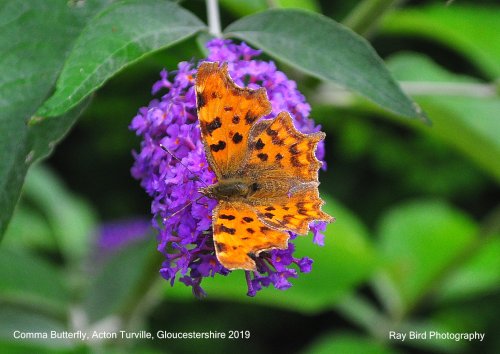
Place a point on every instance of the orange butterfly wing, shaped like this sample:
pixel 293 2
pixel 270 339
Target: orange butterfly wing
pixel 239 235
pixel 269 154
pixel 278 147
pixel 226 113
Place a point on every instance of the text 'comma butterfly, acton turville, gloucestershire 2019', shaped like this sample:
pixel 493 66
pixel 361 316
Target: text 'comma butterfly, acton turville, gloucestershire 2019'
pixel 267 171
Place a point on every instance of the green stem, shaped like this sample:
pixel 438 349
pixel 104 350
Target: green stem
pixel 213 18
pixel 361 312
pixel 142 299
pixel 331 94
pixel 366 16
pixel 449 89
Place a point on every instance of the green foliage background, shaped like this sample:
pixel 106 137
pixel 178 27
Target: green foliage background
pixel 413 153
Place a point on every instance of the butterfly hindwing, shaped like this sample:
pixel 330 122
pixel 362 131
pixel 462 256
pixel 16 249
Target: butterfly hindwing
pixel 294 212
pixel 239 235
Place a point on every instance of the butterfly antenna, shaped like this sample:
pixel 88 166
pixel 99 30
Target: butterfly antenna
pixel 185 166
pixel 181 209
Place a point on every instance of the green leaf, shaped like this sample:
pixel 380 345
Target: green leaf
pixel 479 275
pixel 244 8
pixel 310 5
pixel 248 7
pixel 26 279
pixel 346 260
pixel 21 347
pixel 325 49
pixel 20 319
pixel 468 29
pixel 119 279
pixel 469 123
pixel 420 241
pixel 347 343
pixel 118 36
pixel 29 229
pixel 35 38
pixel 71 219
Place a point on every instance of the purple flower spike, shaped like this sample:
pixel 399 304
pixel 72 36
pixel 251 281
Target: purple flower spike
pixel 171 166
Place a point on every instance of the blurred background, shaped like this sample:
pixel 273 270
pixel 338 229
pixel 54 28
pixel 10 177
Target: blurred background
pixel 415 246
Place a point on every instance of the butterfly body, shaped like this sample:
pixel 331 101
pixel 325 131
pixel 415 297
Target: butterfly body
pixel 230 190
pixel 267 171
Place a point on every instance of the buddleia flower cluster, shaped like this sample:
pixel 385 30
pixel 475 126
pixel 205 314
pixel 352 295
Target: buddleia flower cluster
pixel 172 180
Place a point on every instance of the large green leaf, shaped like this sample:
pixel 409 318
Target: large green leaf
pixel 28 228
pixel 347 343
pixel 420 241
pixel 26 321
pixel 36 36
pixel 116 37
pixel 71 219
pixel 122 276
pixel 472 30
pixel 26 279
pixel 324 48
pixel 479 274
pixel 346 260
pixel 464 120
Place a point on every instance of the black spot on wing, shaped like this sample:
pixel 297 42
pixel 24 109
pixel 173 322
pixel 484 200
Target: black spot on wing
pixel 269 215
pixel 247 219
pixel 271 132
pixel 221 145
pixel 214 125
pixel 278 157
pixel 250 118
pixel 227 217
pixel 250 231
pixel 270 208
pixel 237 138
pixel 293 149
pixel 223 228
pixel 221 247
pixel 259 145
pixel 302 211
pixel 228 109
pixel 263 157
pixel 200 100
pixel 274 137
pixel 236 119
pixel 295 161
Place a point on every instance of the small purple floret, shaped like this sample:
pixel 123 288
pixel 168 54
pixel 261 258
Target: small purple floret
pixel 180 214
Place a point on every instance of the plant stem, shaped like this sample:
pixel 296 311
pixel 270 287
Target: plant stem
pixel 449 89
pixel 361 312
pixel 142 300
pixel 367 14
pixel 333 94
pixel 213 18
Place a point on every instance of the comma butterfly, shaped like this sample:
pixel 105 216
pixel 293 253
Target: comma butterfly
pixel 267 171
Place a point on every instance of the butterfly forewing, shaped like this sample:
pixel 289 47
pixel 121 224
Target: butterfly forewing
pixel 226 113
